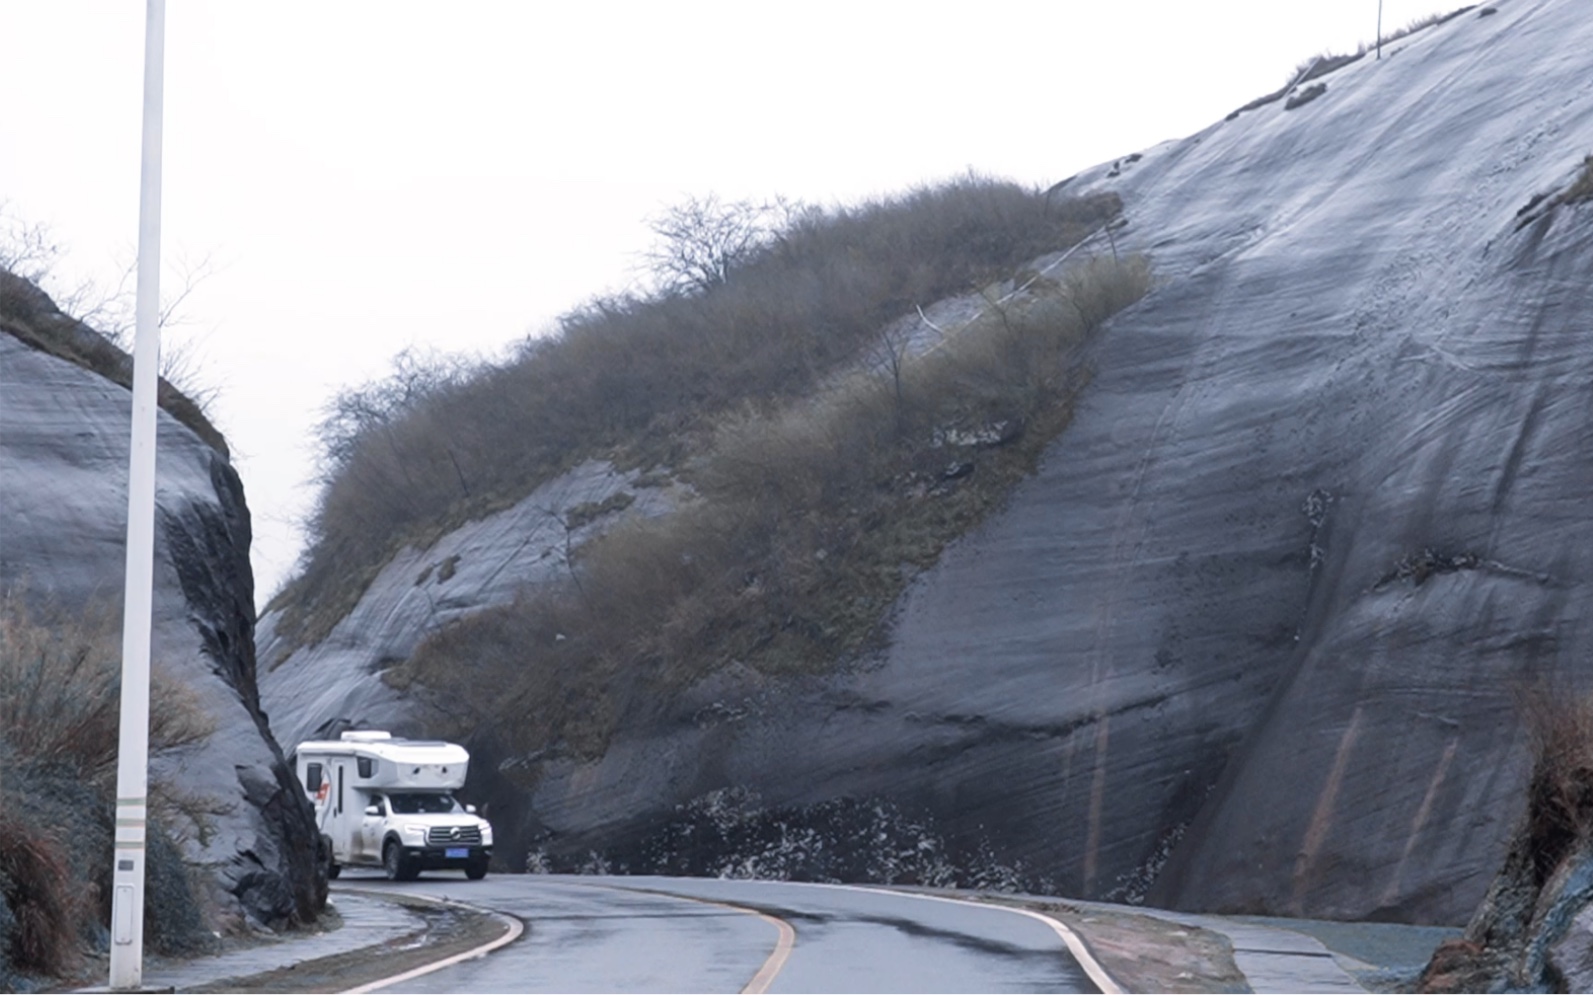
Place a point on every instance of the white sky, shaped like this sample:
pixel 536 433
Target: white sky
pixel 372 176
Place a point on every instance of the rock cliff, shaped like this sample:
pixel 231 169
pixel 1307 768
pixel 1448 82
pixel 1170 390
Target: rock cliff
pixel 63 491
pixel 1248 639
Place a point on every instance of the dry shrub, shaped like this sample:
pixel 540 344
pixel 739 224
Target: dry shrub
pixel 807 513
pixel 40 936
pixel 637 375
pixel 59 719
pixel 60 684
pixel 1560 793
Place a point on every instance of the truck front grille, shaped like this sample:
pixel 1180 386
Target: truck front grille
pixel 453 836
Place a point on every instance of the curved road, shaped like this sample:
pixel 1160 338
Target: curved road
pixel 634 934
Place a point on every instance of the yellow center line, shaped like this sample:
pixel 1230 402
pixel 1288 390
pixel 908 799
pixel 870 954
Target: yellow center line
pixel 772 964
pixel 782 949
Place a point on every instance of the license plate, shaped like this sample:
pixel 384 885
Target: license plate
pixel 456 852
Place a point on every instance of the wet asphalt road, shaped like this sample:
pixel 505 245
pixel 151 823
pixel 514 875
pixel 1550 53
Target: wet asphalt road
pixel 597 934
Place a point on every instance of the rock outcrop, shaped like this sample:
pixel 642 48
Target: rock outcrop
pixel 63 514
pixel 1248 639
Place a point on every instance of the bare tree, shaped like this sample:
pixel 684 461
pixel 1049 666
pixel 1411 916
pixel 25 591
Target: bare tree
pixel 887 358
pixel 26 249
pixel 702 240
pixel 355 413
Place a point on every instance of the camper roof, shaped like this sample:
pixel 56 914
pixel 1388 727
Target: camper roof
pixel 387 747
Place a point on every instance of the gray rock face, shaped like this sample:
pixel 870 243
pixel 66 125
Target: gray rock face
pixel 63 491
pixel 309 689
pixel 1248 640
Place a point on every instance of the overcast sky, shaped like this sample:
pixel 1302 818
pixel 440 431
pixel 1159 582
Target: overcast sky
pixel 371 176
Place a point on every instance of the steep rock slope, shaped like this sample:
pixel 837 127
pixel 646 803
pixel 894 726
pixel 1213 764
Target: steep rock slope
pixel 320 689
pixel 63 521
pixel 1248 638
pixel 1325 505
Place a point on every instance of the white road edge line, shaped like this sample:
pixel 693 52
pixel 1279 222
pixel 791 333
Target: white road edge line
pixel 772 965
pixel 516 928
pixel 1081 953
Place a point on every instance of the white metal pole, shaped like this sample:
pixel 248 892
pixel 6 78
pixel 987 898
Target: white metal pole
pixel 132 761
pixel 1380 30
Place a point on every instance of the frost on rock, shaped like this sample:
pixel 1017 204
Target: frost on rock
pixel 729 833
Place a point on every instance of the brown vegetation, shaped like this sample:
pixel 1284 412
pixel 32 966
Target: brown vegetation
pixel 60 684
pixel 59 721
pixel 639 377
pixel 812 515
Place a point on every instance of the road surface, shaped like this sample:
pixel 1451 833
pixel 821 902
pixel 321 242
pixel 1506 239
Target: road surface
pixel 633 934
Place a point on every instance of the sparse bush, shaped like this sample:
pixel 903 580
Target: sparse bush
pixel 60 679
pixel 59 718
pixel 808 513
pixel 38 924
pixel 1560 793
pixel 640 376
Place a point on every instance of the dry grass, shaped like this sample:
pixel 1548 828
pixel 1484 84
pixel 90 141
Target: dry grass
pixel 38 908
pixel 60 681
pixel 813 515
pixel 1560 793
pixel 59 719
pixel 642 377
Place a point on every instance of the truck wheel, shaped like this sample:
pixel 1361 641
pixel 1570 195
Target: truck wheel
pixel 476 869
pixel 398 866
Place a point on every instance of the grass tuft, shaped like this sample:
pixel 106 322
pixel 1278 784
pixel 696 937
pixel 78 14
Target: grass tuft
pixel 59 723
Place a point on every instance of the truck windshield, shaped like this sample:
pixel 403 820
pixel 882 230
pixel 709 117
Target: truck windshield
pixel 421 802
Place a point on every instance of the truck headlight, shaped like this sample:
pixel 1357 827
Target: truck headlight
pixel 417 833
pixel 486 834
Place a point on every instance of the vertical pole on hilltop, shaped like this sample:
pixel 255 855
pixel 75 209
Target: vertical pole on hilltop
pixel 132 759
pixel 1379 30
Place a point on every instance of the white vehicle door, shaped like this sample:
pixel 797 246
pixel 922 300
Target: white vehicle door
pixel 370 832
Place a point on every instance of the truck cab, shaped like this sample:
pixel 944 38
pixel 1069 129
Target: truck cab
pixel 389 803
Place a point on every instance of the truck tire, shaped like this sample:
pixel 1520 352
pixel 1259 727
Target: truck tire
pixel 476 869
pixel 397 864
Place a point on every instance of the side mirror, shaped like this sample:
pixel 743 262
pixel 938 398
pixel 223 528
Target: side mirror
pixel 470 809
pixel 372 810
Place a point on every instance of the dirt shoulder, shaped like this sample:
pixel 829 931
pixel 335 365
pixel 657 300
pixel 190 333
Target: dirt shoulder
pixel 1145 954
pixel 446 930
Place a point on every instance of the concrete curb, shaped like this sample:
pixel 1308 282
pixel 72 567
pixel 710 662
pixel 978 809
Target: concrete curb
pixel 515 929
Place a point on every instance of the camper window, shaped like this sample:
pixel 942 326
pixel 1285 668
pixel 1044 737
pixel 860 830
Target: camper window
pixel 367 766
pixel 312 778
pixel 420 803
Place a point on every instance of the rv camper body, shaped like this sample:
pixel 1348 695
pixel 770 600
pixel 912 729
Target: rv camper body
pixel 388 803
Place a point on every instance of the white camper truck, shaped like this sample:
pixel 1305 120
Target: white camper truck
pixel 389 803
